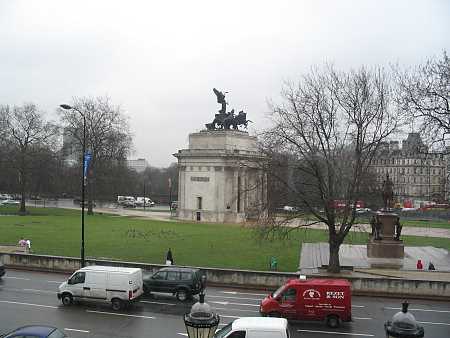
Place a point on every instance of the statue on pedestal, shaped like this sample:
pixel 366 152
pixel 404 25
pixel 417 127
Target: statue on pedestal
pixel 224 120
pixel 388 192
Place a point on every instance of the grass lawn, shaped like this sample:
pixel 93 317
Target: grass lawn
pixel 58 232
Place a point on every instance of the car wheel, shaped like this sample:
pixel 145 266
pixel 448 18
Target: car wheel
pixel 333 321
pixel 116 304
pixel 274 314
pixel 182 295
pixel 67 299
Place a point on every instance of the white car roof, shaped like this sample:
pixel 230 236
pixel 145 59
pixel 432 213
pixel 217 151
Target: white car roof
pixel 110 269
pixel 246 323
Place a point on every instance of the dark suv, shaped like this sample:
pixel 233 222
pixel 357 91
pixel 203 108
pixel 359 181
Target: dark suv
pixel 182 282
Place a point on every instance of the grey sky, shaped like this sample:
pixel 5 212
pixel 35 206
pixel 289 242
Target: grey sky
pixel 160 59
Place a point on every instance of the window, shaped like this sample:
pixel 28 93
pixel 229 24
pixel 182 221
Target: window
pixel 56 334
pixel 290 295
pixel 186 276
pixel 173 275
pixel 160 275
pixel 199 203
pixel 78 278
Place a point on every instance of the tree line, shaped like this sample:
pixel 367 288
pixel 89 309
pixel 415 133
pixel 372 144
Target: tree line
pixel 40 157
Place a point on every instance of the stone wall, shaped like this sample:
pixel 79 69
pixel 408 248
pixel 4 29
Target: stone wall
pixel 245 278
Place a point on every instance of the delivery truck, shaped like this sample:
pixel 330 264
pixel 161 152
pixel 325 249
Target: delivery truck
pixel 117 285
pixel 314 299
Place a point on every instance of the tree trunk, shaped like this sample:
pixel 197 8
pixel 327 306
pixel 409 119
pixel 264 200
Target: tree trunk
pixel 22 210
pixel 333 264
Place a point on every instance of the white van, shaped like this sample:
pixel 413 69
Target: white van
pixel 141 201
pixel 255 327
pixel 117 285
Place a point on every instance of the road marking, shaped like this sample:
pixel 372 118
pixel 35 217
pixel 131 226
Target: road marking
pixel 120 314
pixel 36 290
pixel 10 277
pixel 341 333
pixel 362 318
pixel 425 310
pixel 29 304
pixel 243 293
pixel 224 308
pixel 228 297
pixel 84 331
pixel 229 316
pixel 55 281
pixel 229 303
pixel 358 306
pixel 161 303
pixel 432 323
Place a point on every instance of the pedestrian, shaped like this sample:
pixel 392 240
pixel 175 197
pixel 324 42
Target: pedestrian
pixel 431 266
pixel 169 257
pixel 28 244
pixel 419 264
pixel 22 242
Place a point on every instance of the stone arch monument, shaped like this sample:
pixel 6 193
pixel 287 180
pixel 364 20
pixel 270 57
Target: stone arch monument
pixel 220 175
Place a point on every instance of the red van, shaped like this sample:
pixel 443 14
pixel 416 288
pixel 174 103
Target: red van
pixel 313 299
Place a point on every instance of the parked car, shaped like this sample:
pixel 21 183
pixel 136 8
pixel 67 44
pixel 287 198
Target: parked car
pixel 128 204
pixel 9 202
pixel 362 210
pixel 2 270
pixel 36 331
pixel 117 285
pixel 182 282
pixel 255 327
pixel 141 201
pixel 86 204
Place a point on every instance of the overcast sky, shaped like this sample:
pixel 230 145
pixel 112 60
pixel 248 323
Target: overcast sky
pixel 160 60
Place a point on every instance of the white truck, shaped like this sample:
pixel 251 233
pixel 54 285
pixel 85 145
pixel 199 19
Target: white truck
pixel 117 285
pixel 141 201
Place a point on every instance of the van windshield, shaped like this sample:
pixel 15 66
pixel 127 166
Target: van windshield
pixel 277 293
pixel 223 331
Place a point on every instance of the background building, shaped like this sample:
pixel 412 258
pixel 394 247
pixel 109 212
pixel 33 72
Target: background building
pixel 418 175
pixel 139 164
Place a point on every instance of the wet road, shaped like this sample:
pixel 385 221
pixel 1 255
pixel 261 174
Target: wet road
pixel 30 298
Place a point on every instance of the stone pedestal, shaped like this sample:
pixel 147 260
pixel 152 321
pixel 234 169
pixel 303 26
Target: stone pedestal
pixel 386 252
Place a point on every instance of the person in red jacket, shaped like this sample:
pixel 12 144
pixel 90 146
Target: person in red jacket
pixel 419 264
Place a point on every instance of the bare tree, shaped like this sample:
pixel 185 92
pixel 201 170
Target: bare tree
pixel 424 92
pixel 329 127
pixel 108 136
pixel 26 135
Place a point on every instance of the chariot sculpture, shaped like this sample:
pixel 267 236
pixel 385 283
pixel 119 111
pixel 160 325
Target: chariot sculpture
pixel 226 120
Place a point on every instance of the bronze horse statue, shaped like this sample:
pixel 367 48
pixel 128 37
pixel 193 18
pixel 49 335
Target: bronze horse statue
pixel 224 120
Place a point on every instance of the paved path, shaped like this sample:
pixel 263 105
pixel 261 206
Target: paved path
pixel 406 230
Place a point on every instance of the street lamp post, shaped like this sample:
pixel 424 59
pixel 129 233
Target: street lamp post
pixel 83 181
pixel 403 325
pixel 201 322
